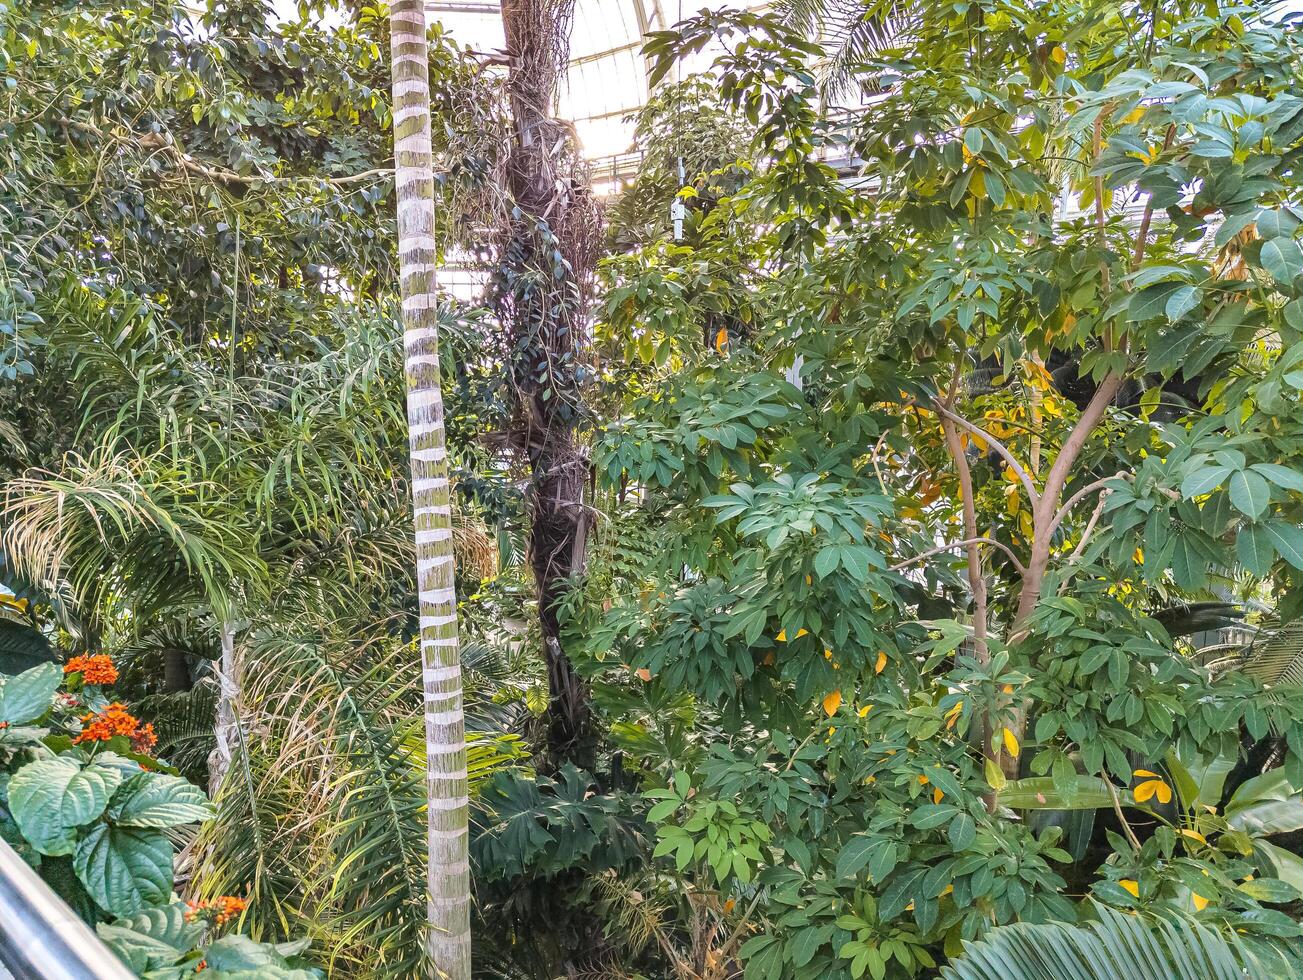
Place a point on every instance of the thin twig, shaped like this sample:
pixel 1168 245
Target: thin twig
pixel 960 544
pixel 1117 808
pixel 1076 498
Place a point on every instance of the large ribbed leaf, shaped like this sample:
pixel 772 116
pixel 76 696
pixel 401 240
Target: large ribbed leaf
pixel 1117 947
pixel 21 647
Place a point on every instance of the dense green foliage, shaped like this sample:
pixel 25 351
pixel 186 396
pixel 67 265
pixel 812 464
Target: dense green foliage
pixel 937 580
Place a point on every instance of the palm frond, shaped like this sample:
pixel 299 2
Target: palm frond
pixel 1277 659
pixel 1116 947
pixel 853 31
pixel 108 520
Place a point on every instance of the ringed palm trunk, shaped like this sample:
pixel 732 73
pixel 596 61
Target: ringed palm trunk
pixel 448 876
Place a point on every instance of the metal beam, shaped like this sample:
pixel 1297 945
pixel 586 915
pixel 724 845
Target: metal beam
pixel 463 6
pixel 41 938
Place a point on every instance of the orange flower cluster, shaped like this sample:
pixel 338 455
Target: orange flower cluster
pixel 94 670
pixel 220 910
pixel 116 720
pixel 98 669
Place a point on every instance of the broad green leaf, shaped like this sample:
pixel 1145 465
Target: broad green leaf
pixel 1288 539
pixel 1255 549
pixel 1281 476
pixel 51 798
pixel 1181 302
pixel 125 869
pixel 25 697
pixel 1269 890
pixel 1204 480
pixel 1282 258
pixel 1276 223
pixel 854 856
pixel 151 799
pixel 153 939
pixel 963 830
pixel 1249 493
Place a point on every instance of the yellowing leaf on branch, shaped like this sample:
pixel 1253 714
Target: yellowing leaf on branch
pixel 831 702
pixel 1132 886
pixel 1011 743
pixel 953 714
pixel 881 665
pixel 1152 787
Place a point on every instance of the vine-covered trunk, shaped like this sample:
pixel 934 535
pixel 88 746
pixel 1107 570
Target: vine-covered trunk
pixel 448 873
pixel 547 255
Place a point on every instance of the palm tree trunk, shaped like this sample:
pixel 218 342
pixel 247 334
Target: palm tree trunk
pixel 225 730
pixel 448 873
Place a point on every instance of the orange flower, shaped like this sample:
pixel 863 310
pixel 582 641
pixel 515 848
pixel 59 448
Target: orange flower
pixel 143 740
pixel 220 910
pixel 97 669
pixel 113 721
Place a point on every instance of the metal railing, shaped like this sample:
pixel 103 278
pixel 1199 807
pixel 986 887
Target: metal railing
pixel 41 938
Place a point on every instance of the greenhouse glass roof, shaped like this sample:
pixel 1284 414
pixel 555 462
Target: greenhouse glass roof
pixel 608 75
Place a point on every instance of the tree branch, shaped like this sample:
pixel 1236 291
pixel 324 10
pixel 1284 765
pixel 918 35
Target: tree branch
pixel 155 141
pixel 1077 497
pixel 961 544
pixel 998 446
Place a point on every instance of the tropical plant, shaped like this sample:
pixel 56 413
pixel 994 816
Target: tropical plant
pixel 1115 946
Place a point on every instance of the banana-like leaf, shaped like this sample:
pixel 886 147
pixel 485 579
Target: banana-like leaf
pixel 1266 804
pixel 1039 793
pixel 1117 947
pixel 1287 865
pixel 1199 781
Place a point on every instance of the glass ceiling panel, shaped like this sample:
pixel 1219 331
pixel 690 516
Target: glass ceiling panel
pixel 607 80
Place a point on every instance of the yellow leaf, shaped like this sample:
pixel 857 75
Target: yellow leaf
pixel 729 905
pixel 782 636
pixel 1008 689
pixel 1145 772
pixel 1011 743
pixel 1058 54
pixel 1135 115
pixel 1153 788
pixel 721 339
pixel 831 702
pixel 865 710
pixel 953 714
pixel 1200 903
pixel 1131 886
pixel 882 662
pixel 827 655
pixel 1194 835
pixel 923 780
pixel 937 795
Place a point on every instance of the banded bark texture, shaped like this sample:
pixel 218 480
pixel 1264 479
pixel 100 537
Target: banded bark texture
pixel 448 875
